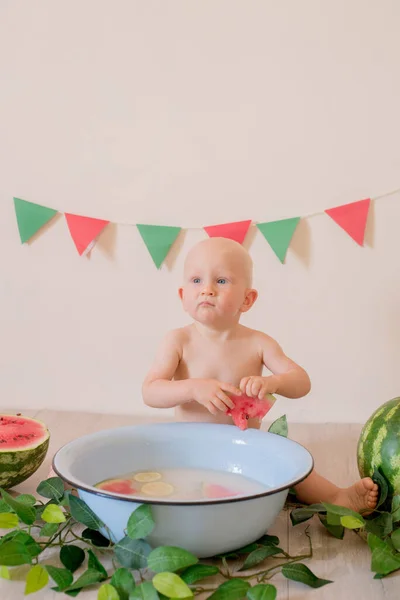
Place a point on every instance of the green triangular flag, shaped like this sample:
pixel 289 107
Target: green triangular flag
pixel 31 217
pixel 279 234
pixel 158 239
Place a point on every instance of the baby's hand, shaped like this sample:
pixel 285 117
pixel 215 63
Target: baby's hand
pixel 258 387
pixel 210 394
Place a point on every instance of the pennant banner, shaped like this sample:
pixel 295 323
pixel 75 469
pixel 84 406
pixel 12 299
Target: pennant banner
pixel 352 218
pixel 84 231
pixel 235 231
pixel 279 234
pixel 158 240
pixel 31 217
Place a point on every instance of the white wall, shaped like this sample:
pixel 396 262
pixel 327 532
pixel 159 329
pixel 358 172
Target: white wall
pixel 192 113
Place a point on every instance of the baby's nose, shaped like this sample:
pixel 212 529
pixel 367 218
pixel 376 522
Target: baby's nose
pixel 208 290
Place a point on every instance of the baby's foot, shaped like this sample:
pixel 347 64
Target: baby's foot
pixel 362 496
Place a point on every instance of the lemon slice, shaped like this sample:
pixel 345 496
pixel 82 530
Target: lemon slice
pixel 157 489
pixel 147 476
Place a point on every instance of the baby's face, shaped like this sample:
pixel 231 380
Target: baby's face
pixel 215 286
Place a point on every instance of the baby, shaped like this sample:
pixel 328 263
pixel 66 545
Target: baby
pixel 199 366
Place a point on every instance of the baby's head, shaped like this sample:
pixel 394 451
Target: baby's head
pixel 217 282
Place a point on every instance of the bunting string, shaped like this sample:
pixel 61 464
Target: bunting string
pixel 84 230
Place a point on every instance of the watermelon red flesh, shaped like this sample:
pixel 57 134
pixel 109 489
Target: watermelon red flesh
pixel 249 408
pixel 379 445
pixel 23 446
pixel 214 490
pixel 119 486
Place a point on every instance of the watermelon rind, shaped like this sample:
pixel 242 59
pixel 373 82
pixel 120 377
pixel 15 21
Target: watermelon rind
pixel 379 445
pixel 16 465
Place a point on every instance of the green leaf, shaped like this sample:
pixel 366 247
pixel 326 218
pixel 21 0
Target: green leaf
pixel 96 538
pixel 89 577
pixel 22 537
pixel 61 577
pixel 299 515
pixel 8 520
pixel 144 591
pixel 395 537
pixel 72 557
pixel 140 523
pixel 246 549
pixel 198 572
pixel 351 522
pixel 375 542
pixel 268 540
pixel 107 592
pixel 5 572
pixel 342 511
pixel 51 488
pixel 36 579
pixel 14 553
pixel 132 553
pixel 53 514
pixel 27 514
pixel 170 558
pixel 336 530
pixel 299 572
pixel 384 561
pixel 27 499
pixel 396 509
pixel 381 526
pixel 83 514
pixel 94 563
pixel 262 591
pixel 171 585
pixel 280 426
pixel 49 529
pixel 378 478
pixel 123 582
pixel 4 507
pixel 234 589
pixel 258 556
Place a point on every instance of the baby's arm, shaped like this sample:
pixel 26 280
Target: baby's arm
pixel 288 378
pixel 161 391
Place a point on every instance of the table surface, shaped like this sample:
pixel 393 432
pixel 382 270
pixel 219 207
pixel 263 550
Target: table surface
pixel 333 447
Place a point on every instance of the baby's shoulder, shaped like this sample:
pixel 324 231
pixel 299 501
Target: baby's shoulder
pixel 255 336
pixel 177 337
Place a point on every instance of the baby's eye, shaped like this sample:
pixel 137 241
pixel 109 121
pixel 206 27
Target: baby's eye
pixel 196 279
pixel 221 280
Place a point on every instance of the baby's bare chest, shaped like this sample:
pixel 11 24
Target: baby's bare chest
pixel 227 362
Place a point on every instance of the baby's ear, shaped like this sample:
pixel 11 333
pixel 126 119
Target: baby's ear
pixel 249 299
pixel 180 293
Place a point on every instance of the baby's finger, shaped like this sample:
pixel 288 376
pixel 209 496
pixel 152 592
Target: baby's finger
pixel 262 393
pixel 255 388
pixel 225 399
pixel 249 385
pixel 231 389
pixel 219 403
pixel 243 383
pixel 211 408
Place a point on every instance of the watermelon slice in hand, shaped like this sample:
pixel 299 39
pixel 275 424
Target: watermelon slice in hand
pixel 249 408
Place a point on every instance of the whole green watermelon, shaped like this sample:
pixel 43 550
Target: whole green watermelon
pixel 379 445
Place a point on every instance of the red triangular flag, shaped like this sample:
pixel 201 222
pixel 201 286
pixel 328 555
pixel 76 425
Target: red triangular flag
pixel 352 218
pixel 235 231
pixel 84 231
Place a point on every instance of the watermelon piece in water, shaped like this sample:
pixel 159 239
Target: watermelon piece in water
pixel 118 486
pixel 249 408
pixel 23 446
pixel 214 491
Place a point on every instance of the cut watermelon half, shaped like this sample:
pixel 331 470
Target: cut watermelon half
pixel 249 408
pixel 23 446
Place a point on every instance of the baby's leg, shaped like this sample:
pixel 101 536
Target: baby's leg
pixel 361 496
